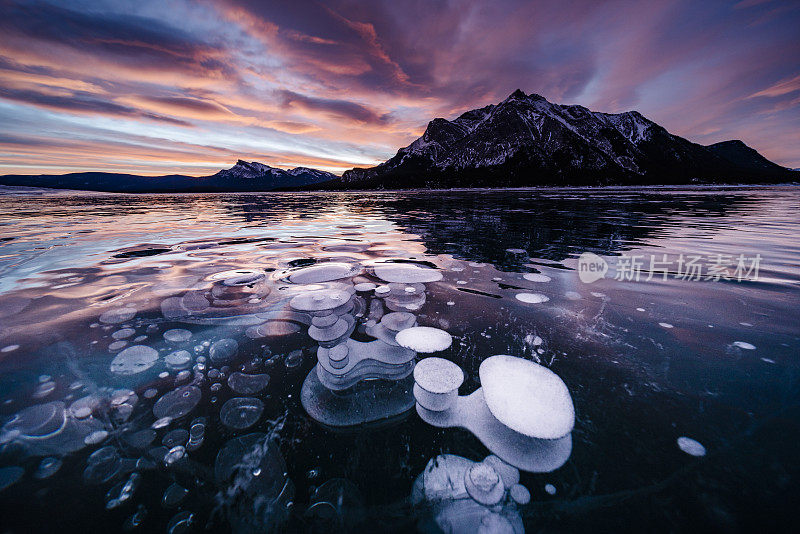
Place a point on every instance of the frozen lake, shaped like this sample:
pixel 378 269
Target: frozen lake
pixel 174 363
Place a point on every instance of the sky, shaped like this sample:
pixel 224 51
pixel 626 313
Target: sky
pixel 176 86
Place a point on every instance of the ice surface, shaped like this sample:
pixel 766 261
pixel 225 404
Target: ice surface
pixel 424 339
pixel 134 360
pixel 691 447
pixel 531 298
pixel 527 397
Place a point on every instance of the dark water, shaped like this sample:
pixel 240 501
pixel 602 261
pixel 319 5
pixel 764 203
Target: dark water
pixel 83 277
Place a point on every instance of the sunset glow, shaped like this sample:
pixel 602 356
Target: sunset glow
pixel 153 87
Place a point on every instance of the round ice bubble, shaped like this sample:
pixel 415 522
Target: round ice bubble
pixel 536 277
pixel 246 384
pixel 508 473
pixel 241 412
pixel 398 320
pixel 691 447
pixel 177 403
pixel 527 397
pixel 424 339
pixel 324 272
pixel 119 315
pixel 177 335
pixel 531 298
pixel 483 484
pixel 744 345
pixel 223 350
pixel 406 273
pixel 123 333
pixel 319 300
pixel 520 494
pixel 173 496
pixel 180 359
pixel 134 360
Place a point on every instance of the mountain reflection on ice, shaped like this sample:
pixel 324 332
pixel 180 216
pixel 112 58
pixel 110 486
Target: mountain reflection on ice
pixel 231 362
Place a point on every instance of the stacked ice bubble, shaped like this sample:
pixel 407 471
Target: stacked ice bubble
pixel 523 412
pixel 463 496
pixel 361 380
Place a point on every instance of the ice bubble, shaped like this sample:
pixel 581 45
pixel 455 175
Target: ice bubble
pixel 444 478
pixel 532 298
pixel 9 348
pixel 319 300
pixel 175 453
pixel 520 494
pixel 573 295
pixel 136 519
pixel 516 251
pixel 123 333
pixel 640 309
pixel 173 496
pixel 180 359
pixel 10 476
pixel 102 465
pixel 275 329
pixel 324 272
pixel 382 291
pixel 398 320
pixel 665 325
pixel 744 345
pixel 527 397
pixel 293 359
pixel 550 489
pixel 483 484
pixel 119 315
pixel 223 350
pixel 406 273
pixel 244 280
pixel 181 523
pixel 178 436
pixel 439 379
pixel 177 335
pixel 241 412
pixel 39 421
pixel 691 447
pixel 424 339
pixel 95 437
pixel 177 403
pixel 44 389
pixel 161 422
pixel 163 374
pixel 245 384
pixel 133 360
pixel 335 331
pixel 508 473
pixel 117 345
pixel 364 287
pixel 47 468
pixel 140 439
pixel 139 339
pixel 536 277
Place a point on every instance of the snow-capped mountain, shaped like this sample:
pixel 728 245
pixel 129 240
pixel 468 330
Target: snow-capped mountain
pixel 244 176
pixel 253 170
pixel 527 140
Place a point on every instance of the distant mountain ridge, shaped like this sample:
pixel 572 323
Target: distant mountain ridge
pixel 242 177
pixel 528 141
